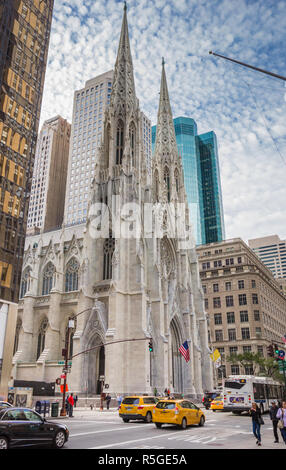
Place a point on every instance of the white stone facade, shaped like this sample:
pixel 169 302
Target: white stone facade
pixel 130 282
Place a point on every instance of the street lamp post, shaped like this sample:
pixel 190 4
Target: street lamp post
pixel 66 351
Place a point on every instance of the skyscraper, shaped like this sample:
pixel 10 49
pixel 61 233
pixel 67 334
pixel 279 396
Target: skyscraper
pixel 272 252
pixel 202 179
pixel 24 39
pixel 47 199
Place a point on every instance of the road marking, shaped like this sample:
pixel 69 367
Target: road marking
pixel 106 430
pixel 135 440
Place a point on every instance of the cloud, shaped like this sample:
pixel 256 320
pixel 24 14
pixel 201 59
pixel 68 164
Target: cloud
pixel 244 108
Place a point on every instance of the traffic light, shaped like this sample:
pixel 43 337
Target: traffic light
pixel 270 350
pixel 151 345
pixel 276 347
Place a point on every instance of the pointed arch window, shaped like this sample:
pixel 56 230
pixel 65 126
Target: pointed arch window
pixel 71 275
pixel 108 250
pixel 119 142
pixel 25 282
pixel 42 337
pixel 48 278
pixel 17 335
pixel 132 135
pixel 177 180
pixel 167 183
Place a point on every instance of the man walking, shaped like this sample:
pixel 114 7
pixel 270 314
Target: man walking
pixel 71 405
pixel 108 400
pixel 273 412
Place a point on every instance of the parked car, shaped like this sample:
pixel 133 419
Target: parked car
pixel 208 398
pixel 5 404
pixel 137 408
pixel 180 412
pixel 24 427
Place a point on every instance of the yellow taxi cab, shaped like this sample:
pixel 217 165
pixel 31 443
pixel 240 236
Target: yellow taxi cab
pixel 137 408
pixel 217 404
pixel 180 412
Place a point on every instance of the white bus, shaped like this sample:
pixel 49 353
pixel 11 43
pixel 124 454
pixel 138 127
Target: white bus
pixel 240 391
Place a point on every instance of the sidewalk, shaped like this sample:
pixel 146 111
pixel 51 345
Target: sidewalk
pixel 85 412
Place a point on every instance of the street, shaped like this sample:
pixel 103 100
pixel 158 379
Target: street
pixel 105 430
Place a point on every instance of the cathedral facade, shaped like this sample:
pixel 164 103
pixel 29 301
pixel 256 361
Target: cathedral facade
pixel 128 276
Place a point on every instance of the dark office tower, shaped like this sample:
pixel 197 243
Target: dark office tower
pixel 24 38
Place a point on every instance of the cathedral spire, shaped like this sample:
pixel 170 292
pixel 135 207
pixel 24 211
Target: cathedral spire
pixel 165 133
pixel 123 89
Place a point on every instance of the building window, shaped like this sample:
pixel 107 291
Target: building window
pixel 25 282
pixel 249 370
pixel 256 315
pixel 244 316
pixel 253 284
pixel 255 299
pixel 71 281
pixel 221 351
pixel 42 337
pixel 230 317
pixel 233 350
pixel 206 265
pixel 119 142
pixel 204 289
pixel 239 260
pixel 217 319
pixel 222 372
pixel 242 299
pixel 241 284
pixel 48 278
pixel 216 302
pixel 217 264
pixel 108 250
pixel 232 334
pixel 260 350
pixel 218 335
pixel 215 288
pixel 132 142
pixel 229 301
pixel 245 333
pixel 234 370
pixel 246 349
pixel 206 304
pixel 229 261
pixel 258 331
pixel 228 286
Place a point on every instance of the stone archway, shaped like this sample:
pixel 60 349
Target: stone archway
pixel 176 358
pixel 95 365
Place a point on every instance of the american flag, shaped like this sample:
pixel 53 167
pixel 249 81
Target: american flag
pixel 284 339
pixel 184 350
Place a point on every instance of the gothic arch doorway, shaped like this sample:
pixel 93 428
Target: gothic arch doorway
pixel 177 367
pixel 96 365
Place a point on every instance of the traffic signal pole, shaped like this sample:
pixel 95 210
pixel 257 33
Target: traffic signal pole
pixel 249 66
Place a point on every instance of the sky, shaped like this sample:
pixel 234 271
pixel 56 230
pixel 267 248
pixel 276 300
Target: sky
pixel 246 109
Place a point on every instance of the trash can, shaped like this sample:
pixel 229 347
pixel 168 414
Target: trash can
pixel 55 409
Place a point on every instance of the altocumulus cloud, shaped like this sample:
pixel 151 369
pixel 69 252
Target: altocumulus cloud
pixel 244 108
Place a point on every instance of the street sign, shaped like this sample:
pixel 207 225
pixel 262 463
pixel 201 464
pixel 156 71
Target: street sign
pixel 282 366
pixel 62 363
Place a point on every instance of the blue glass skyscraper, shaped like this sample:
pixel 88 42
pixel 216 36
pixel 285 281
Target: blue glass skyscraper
pixel 202 179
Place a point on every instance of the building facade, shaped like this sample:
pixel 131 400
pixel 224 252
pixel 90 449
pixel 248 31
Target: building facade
pixel 246 307
pixel 272 252
pixel 24 39
pixel 46 208
pixel 202 179
pixel 122 276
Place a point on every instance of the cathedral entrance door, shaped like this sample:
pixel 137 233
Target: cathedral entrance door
pixel 177 371
pixel 96 366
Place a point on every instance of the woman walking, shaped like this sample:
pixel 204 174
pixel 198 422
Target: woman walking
pixel 281 415
pixel 257 420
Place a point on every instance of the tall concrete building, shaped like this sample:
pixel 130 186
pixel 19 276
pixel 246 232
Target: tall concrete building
pixel 244 302
pixel 24 39
pixel 202 179
pixel 272 251
pixel 90 104
pixel 46 209
pixel 120 284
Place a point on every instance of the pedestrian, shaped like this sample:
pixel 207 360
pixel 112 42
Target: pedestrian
pixel 273 412
pixel 119 400
pixel 67 403
pixel 71 405
pixel 166 391
pixel 75 400
pixel 108 400
pixel 281 415
pixel 257 420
